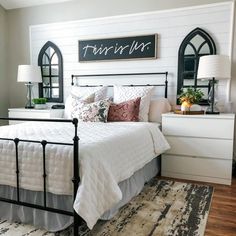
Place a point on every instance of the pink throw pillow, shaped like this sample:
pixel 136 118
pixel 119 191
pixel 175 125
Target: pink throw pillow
pixel 125 111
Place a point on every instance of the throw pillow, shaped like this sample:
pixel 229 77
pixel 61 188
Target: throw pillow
pixel 94 112
pixel 125 111
pixel 77 104
pixel 122 94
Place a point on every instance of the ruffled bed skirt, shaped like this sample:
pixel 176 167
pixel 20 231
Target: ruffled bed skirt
pixel 56 222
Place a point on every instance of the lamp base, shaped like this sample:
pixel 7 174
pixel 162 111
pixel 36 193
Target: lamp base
pixel 212 109
pixel 29 104
pixel 212 112
pixel 29 107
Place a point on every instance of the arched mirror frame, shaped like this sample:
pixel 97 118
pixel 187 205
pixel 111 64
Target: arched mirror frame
pixel 181 62
pixel 43 52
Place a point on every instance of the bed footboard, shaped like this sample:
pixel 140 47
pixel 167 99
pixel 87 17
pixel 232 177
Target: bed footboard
pixel 76 179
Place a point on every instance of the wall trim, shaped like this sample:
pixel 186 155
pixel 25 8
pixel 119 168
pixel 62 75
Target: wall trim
pixel 138 14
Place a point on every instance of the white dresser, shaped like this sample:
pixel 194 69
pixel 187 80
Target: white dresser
pixel 201 147
pixel 34 113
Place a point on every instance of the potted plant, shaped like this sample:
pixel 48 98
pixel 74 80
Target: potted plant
pixel 189 97
pixel 40 103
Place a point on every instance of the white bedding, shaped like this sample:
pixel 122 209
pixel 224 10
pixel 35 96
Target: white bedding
pixel 109 154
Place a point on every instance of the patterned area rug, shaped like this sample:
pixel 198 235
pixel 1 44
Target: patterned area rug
pixel 163 208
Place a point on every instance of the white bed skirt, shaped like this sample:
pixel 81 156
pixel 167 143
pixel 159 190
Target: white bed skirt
pixel 56 222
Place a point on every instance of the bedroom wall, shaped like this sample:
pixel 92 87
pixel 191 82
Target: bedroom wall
pixel 19 21
pixel 170 25
pixel 3 79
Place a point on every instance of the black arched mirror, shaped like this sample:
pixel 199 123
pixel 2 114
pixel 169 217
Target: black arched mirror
pixel 196 44
pixel 50 61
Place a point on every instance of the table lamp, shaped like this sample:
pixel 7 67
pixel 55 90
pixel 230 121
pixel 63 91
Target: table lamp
pixel 29 74
pixel 214 67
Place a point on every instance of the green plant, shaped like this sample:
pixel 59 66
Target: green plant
pixel 39 100
pixel 191 96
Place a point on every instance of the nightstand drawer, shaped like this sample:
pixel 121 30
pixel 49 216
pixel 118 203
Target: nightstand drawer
pixel 201 147
pixel 197 166
pixel 198 127
pixel 34 113
pixel 39 115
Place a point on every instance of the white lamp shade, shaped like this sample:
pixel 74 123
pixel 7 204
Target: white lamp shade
pixel 217 66
pixel 29 73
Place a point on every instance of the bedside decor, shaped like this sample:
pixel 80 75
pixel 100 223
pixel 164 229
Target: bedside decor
pixel 135 47
pixel 196 43
pixel 214 67
pixel 40 103
pixel 189 98
pixel 29 74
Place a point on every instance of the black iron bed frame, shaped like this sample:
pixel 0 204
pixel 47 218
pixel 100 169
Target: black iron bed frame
pixel 76 178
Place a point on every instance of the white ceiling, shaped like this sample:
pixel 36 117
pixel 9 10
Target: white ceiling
pixel 12 4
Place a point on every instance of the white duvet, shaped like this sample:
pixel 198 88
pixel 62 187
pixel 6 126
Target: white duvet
pixel 109 154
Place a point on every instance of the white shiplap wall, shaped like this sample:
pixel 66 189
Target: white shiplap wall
pixel 170 25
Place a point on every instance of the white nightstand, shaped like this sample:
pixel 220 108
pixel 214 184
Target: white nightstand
pixel 201 147
pixel 34 113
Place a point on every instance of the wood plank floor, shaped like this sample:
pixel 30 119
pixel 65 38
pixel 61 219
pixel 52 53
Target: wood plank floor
pixel 222 217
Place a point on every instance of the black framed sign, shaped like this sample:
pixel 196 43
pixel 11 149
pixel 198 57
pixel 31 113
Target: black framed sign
pixel 143 47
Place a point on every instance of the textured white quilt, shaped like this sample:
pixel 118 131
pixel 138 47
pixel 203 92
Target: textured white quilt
pixel 109 154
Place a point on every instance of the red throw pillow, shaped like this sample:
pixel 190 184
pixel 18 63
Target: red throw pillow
pixel 125 111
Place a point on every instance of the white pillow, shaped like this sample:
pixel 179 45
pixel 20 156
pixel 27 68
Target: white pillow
pixel 68 107
pixel 158 107
pixel 122 94
pixel 82 92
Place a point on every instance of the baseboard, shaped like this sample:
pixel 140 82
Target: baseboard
pixel 196 178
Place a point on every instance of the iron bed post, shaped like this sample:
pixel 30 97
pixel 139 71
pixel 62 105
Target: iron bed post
pixel 44 143
pixel 16 141
pixel 76 179
pixel 72 80
pixel 166 85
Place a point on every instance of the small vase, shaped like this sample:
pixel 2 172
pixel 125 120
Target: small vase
pixel 185 106
pixel 40 106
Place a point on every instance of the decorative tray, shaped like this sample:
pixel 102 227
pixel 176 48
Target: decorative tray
pixel 188 112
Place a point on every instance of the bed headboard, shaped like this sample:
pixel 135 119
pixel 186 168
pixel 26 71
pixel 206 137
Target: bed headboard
pixel 165 84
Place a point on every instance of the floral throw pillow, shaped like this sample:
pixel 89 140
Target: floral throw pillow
pixel 125 111
pixel 94 112
pixel 77 104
